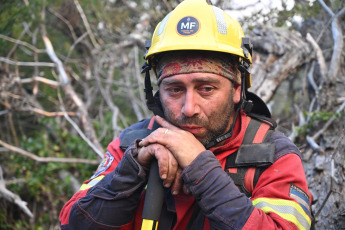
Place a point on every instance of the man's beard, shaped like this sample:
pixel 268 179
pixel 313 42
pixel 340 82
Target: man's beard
pixel 216 124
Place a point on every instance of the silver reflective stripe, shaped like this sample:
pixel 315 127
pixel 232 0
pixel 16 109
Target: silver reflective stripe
pixel 162 25
pixel 285 209
pixel 221 23
pixel 93 182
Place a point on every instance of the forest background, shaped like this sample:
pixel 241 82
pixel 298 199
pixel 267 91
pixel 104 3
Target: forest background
pixel 70 82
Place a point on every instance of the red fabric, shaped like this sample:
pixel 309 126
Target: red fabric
pixel 116 152
pixel 260 134
pixel 248 179
pixel 260 220
pixel 273 183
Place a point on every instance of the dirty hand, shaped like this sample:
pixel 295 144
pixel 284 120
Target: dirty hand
pixel 183 146
pixel 169 171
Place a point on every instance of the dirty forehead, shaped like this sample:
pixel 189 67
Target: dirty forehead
pixel 192 61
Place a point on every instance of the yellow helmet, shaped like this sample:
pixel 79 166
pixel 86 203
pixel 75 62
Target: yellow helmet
pixel 196 25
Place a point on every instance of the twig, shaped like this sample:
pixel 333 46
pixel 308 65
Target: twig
pixel 338 45
pixel 326 8
pixel 311 79
pixel 55 59
pixel 14 198
pixel 52 114
pixel 70 27
pixel 16 45
pixel 76 127
pixel 47 159
pixel 73 182
pixel 20 63
pixel 86 23
pixel 329 122
pixel 46 81
pixel 19 42
pixel 314 145
pixel 84 117
pixel 3 112
pixel 167 5
pixel 320 57
pixel 74 44
pixel 332 173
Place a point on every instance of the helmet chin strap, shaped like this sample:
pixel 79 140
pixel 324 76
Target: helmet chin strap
pixel 150 100
pixel 243 104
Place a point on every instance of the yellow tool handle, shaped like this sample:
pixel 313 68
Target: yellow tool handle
pixel 149 224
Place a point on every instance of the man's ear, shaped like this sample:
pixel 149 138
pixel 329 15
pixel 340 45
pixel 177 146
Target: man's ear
pixel 236 93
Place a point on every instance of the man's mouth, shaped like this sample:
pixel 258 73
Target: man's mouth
pixel 192 128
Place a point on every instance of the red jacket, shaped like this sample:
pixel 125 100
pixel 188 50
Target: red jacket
pixel 113 197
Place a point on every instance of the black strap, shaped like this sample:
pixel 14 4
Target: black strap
pixel 248 138
pixel 249 155
pixel 150 100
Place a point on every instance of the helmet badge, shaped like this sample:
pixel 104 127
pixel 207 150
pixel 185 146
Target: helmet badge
pixel 188 26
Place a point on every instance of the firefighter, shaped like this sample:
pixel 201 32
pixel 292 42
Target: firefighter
pixel 222 164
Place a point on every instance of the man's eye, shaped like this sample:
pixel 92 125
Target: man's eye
pixel 175 90
pixel 207 89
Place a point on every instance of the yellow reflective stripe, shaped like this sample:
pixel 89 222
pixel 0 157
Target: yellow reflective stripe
pixel 91 183
pixel 287 209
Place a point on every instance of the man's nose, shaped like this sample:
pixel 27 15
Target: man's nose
pixel 191 105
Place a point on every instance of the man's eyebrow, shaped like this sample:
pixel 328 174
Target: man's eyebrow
pixel 170 81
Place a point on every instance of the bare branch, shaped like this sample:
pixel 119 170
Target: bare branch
pixel 14 198
pixel 70 27
pixel 314 145
pixel 76 127
pixel 338 46
pixel 167 5
pixel 74 44
pixel 73 182
pixel 329 122
pixel 19 63
pixel 320 57
pixel 55 59
pixel 46 81
pixel 84 117
pixel 52 114
pixel 326 8
pixel 22 43
pixel 279 53
pixel 332 174
pixel 86 23
pixel 47 159
pixel 311 79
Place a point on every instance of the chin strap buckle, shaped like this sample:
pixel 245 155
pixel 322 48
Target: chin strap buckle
pixel 247 106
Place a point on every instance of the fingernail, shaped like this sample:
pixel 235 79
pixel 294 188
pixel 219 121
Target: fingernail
pixel 140 143
pixel 167 185
pixel 174 192
pixel 164 176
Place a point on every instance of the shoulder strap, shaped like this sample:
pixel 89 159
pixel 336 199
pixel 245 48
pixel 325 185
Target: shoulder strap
pixel 256 133
pixel 254 155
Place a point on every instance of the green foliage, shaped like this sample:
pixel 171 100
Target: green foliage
pixel 315 118
pixel 42 183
